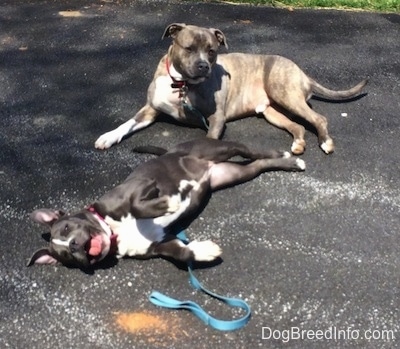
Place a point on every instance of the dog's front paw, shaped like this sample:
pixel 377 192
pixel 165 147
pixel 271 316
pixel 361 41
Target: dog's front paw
pixel 173 203
pixel 108 139
pixel 205 251
pixel 301 164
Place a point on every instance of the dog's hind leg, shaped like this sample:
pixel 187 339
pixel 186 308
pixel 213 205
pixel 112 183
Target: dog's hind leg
pixel 276 118
pixel 297 105
pixel 219 151
pixel 301 108
pixel 229 173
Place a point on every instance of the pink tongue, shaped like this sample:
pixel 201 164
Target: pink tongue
pixel 95 246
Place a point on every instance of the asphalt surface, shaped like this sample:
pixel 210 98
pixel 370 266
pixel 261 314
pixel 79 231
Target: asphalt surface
pixel 312 251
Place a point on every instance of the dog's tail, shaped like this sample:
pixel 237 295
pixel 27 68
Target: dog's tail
pixel 337 95
pixel 150 149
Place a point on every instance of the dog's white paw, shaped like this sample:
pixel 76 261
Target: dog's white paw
pixel 174 203
pixel 301 164
pixel 204 251
pixel 328 146
pixel 106 140
pixel 298 146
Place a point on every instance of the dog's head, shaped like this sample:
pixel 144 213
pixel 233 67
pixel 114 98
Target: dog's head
pixel 194 50
pixel 78 240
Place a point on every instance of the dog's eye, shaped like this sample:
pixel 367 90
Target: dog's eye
pixel 66 228
pixel 188 49
pixel 211 52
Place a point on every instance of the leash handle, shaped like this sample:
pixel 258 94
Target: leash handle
pixel 162 300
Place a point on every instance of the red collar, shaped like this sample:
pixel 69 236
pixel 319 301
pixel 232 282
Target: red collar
pixel 175 83
pixel 107 229
pixel 113 245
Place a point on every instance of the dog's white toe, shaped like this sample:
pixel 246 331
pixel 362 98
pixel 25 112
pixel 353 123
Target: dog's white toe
pixel 301 164
pixel 174 203
pixel 106 140
pixel 328 146
pixel 205 251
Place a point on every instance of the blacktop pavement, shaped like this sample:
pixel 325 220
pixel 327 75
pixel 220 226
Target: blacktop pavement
pixel 313 251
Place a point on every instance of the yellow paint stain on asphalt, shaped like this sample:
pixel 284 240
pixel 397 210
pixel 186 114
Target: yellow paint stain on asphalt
pixel 151 327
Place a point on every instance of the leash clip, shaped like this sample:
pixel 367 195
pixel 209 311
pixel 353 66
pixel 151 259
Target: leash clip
pixel 183 90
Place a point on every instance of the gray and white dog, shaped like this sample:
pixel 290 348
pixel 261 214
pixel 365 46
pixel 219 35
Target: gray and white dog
pixel 195 85
pixel 132 218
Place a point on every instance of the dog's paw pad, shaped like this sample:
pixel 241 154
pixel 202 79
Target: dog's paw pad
pixel 205 251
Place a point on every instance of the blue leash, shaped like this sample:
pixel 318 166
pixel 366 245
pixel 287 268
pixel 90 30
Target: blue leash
pixel 189 108
pixel 162 300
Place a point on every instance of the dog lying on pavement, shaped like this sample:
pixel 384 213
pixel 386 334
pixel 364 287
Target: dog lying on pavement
pixel 195 86
pixel 131 219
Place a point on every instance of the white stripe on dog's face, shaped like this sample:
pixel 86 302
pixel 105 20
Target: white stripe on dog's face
pixel 71 238
pixel 64 243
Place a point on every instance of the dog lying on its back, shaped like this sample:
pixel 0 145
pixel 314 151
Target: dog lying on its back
pixel 130 219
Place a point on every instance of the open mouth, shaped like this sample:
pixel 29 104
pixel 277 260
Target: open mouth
pixel 99 246
pixel 94 248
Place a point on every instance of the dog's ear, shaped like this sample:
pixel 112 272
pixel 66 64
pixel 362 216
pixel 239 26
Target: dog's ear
pixel 46 216
pixel 173 29
pixel 42 256
pixel 220 37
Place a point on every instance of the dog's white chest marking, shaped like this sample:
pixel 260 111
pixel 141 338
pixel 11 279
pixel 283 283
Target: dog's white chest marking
pixel 166 98
pixel 135 236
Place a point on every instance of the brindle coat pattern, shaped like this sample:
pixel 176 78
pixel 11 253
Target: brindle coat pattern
pixel 228 86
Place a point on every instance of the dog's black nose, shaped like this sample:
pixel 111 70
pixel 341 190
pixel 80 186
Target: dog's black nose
pixel 73 246
pixel 203 67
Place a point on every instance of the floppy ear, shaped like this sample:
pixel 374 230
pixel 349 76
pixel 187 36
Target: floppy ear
pixel 46 216
pixel 42 256
pixel 173 29
pixel 220 37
